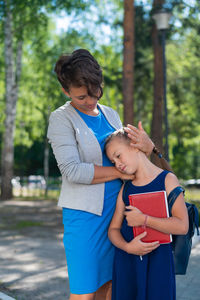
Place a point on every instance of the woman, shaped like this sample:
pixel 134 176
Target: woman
pixel 90 182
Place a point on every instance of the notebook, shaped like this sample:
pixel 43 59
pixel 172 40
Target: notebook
pixel 152 204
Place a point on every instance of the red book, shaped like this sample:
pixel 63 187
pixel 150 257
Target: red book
pixel 152 204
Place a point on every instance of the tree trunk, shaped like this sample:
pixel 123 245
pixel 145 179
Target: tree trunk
pixel 46 153
pixel 11 82
pixel 46 165
pixel 128 62
pixel 157 118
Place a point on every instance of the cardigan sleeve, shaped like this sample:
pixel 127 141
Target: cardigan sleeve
pixel 62 138
pixel 118 119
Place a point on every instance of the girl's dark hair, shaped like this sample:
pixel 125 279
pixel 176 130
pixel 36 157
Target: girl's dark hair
pixel 120 133
pixel 80 69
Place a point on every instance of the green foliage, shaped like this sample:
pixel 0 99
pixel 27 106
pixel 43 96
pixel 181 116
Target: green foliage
pixel 184 107
pixel 97 26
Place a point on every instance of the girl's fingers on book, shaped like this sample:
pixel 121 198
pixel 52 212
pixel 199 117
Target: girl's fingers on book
pixel 141 235
pixel 151 245
pixel 150 249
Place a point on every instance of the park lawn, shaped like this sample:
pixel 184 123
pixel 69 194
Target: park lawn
pixel 192 194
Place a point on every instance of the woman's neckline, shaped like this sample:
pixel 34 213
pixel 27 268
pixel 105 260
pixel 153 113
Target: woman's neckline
pixel 79 111
pixel 140 186
pixel 90 116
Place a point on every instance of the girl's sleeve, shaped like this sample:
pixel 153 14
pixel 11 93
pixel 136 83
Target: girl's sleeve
pixel 61 136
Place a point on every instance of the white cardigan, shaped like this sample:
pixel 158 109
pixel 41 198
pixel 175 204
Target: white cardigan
pixel 77 150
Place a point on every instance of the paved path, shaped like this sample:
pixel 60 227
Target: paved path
pixel 32 258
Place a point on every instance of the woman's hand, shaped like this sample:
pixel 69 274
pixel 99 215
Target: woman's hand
pixel 134 216
pixel 124 176
pixel 140 138
pixel 137 247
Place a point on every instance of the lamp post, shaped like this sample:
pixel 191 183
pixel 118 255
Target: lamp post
pixel 161 18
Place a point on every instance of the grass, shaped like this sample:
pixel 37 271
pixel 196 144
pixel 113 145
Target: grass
pixel 36 194
pixel 21 225
pixel 197 203
pixel 24 224
pixel 192 194
pixel 35 198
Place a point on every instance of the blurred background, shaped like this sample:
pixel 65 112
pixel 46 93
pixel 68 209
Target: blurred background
pixel 151 73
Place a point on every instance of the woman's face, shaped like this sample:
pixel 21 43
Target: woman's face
pixel 82 101
pixel 122 155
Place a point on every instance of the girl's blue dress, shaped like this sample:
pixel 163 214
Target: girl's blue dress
pixel 151 278
pixel 88 250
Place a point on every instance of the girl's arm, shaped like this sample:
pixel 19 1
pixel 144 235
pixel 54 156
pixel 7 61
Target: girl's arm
pixel 177 224
pixel 136 246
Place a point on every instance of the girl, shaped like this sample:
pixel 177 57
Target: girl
pixel 142 270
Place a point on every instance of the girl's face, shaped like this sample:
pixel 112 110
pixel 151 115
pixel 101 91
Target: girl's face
pixel 81 100
pixel 122 155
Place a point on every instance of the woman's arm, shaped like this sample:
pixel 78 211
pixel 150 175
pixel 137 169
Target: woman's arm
pixel 177 224
pixel 104 174
pixel 136 246
pixel 61 135
pixel 62 138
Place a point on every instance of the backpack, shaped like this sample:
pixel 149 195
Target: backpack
pixel 182 244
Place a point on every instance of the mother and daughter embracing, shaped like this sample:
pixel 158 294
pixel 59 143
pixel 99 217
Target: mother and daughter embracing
pixel 96 156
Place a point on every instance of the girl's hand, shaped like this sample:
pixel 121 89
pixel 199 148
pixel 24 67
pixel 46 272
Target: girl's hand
pixel 134 216
pixel 140 138
pixel 137 247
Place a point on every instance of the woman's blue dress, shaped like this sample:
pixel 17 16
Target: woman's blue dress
pixel 88 250
pixel 151 278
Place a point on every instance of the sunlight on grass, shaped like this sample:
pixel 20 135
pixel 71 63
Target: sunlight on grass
pixel 37 195
pixel 192 194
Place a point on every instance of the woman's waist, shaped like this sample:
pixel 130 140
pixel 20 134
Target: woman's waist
pixel 85 197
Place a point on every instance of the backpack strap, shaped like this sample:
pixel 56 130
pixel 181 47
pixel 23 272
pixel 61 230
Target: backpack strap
pixel 171 199
pixel 173 195
pixel 196 217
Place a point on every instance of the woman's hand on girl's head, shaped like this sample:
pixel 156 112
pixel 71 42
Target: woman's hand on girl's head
pixel 139 138
pixel 134 216
pixel 137 247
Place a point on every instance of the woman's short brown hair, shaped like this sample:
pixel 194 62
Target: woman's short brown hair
pixel 80 69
